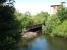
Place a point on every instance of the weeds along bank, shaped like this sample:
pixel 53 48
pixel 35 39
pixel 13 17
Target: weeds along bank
pixel 54 25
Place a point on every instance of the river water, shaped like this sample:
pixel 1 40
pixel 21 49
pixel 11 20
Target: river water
pixel 44 43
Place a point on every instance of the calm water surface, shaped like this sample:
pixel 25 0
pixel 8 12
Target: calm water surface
pixel 44 43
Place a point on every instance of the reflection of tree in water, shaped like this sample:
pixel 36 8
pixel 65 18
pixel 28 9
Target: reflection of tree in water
pixel 57 43
pixel 23 44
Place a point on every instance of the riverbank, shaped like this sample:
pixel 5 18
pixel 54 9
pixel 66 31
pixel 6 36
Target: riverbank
pixel 29 35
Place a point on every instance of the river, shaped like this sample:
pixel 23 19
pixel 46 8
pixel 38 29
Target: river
pixel 44 43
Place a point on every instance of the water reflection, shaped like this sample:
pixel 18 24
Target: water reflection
pixel 39 44
pixel 44 43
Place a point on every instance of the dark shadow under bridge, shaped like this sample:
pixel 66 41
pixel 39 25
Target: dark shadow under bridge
pixel 34 28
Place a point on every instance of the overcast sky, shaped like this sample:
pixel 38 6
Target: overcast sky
pixel 36 6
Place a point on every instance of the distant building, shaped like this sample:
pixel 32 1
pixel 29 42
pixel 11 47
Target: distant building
pixel 55 8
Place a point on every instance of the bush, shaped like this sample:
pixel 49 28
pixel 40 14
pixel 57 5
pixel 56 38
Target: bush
pixel 61 30
pixel 10 27
pixel 51 23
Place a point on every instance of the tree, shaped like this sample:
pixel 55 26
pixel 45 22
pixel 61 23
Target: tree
pixel 56 22
pixel 27 14
pixel 51 23
pixel 60 30
pixel 40 18
pixel 62 13
pixel 10 27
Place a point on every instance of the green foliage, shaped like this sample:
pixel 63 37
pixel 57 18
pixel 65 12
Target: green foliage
pixel 2 1
pixel 24 19
pixel 51 22
pixel 56 25
pixel 61 30
pixel 40 18
pixel 12 22
pixel 10 27
pixel 26 22
pixel 62 13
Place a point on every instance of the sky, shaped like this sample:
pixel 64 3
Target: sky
pixel 36 6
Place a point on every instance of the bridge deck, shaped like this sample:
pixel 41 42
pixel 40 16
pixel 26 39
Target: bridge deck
pixel 34 27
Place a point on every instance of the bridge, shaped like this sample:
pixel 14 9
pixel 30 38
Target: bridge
pixel 34 28
pixel 32 31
